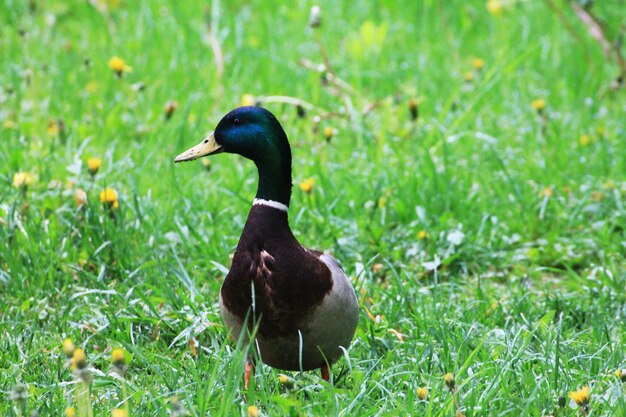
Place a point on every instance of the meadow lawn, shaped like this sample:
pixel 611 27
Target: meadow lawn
pixel 464 160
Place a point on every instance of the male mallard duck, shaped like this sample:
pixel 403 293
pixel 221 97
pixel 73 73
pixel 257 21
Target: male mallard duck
pixel 304 304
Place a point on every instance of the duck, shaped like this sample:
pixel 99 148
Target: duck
pixel 296 304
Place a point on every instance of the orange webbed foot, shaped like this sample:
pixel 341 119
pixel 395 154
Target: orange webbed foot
pixel 325 373
pixel 247 374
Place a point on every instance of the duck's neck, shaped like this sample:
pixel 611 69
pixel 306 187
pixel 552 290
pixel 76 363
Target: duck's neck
pixel 266 226
pixel 274 180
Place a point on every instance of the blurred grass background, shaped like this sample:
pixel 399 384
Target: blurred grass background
pixel 485 238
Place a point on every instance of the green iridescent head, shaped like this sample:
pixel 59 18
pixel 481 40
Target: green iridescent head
pixel 256 134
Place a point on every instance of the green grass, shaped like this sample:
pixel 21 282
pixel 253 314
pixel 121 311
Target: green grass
pixel 529 306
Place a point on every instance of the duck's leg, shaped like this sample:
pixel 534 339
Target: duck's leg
pixel 248 373
pixel 325 373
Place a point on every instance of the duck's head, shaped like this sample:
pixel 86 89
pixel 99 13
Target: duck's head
pixel 256 134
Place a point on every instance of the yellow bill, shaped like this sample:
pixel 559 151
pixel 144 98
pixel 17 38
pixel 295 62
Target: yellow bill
pixel 207 147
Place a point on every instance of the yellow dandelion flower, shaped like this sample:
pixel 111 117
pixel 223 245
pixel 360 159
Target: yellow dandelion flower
pixel 253 411
pixel 118 356
pixel 118 65
pixel 119 412
pixel 608 184
pixel 539 104
pixel 52 128
pixel 468 76
pixel 478 64
pixel 206 163
pixel 601 131
pixel 248 100
pixel 329 132
pixel 547 192
pixel 68 348
pixel 285 380
pixel 382 202
pixel 621 374
pixel 93 165
pixel 423 234
pixel 307 185
pixel 70 412
pixel 597 196
pixel 422 393
pixel 494 7
pixel 581 396
pixel 111 4
pixel 79 359
pixel 108 197
pixel 584 140
pixel 449 380
pixel 23 179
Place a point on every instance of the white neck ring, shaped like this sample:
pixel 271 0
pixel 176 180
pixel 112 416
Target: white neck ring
pixel 270 203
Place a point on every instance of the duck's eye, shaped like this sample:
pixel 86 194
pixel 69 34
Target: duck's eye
pixel 236 121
